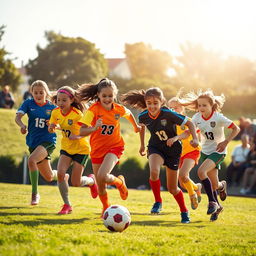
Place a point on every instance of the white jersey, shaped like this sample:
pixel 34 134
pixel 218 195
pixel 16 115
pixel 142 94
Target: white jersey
pixel 212 130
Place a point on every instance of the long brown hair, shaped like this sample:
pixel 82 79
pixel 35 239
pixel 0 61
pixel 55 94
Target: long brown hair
pixel 137 98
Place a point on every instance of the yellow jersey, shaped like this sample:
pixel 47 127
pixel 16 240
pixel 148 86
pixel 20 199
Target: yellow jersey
pixel 69 124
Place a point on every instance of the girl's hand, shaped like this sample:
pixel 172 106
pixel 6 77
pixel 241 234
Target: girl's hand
pixel 137 129
pixel 47 122
pixel 221 146
pixel 23 129
pixel 98 124
pixel 194 143
pixel 142 151
pixel 170 141
pixel 51 128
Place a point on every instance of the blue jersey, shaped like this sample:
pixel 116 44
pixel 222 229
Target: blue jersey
pixel 37 117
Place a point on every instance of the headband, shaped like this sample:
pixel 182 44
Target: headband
pixel 66 92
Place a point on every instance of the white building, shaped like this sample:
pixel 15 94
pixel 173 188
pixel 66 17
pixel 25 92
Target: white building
pixel 119 67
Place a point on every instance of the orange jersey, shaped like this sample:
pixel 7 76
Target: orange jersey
pixel 186 146
pixel 69 124
pixel 109 134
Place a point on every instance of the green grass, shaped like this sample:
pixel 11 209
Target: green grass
pixel 38 230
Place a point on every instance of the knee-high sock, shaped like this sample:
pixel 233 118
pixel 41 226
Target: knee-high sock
pixel 181 202
pixel 195 187
pixel 104 201
pixel 215 194
pixel 116 182
pixel 189 187
pixel 86 181
pixel 208 189
pixel 63 188
pixel 156 188
pixel 34 175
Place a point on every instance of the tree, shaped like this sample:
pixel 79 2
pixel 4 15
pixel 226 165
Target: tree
pixel 67 61
pixel 9 74
pixel 146 62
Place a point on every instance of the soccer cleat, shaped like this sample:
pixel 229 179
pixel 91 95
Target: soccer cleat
pixel 123 189
pixel 194 201
pixel 66 209
pixel 35 198
pixel 185 217
pixel 156 208
pixel 212 207
pixel 223 191
pixel 94 187
pixel 199 192
pixel 215 215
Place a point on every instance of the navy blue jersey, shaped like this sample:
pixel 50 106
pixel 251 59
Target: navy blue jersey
pixel 37 117
pixel 162 128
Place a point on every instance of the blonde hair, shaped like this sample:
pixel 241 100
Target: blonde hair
pixel 190 100
pixel 42 84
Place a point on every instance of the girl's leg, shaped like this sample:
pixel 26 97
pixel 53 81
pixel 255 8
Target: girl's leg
pixel 189 185
pixel 46 171
pixel 155 163
pixel 203 170
pixel 172 185
pixel 36 156
pixel 63 165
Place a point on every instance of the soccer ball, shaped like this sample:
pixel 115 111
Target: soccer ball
pixel 116 218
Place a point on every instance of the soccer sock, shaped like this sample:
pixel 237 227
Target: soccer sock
pixel 156 188
pixel 208 189
pixel 117 182
pixel 54 175
pixel 34 175
pixel 189 187
pixel 86 181
pixel 63 188
pixel 181 202
pixel 216 196
pixel 195 187
pixel 104 201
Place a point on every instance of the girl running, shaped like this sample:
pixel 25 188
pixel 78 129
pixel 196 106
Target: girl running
pixel 102 122
pixel 211 124
pixel 40 142
pixel 74 148
pixel 162 149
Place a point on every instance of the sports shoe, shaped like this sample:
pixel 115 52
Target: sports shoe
pixel 194 201
pixel 223 191
pixel 185 217
pixel 199 192
pixel 123 189
pixel 35 198
pixel 156 208
pixel 66 209
pixel 94 187
pixel 212 207
pixel 215 215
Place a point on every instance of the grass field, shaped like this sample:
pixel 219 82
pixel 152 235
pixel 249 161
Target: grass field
pixel 27 230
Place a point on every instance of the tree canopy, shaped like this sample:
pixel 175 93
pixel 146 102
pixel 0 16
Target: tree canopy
pixel 67 61
pixel 9 74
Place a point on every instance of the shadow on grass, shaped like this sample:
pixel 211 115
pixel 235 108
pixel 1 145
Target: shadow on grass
pixel 37 222
pixel 12 207
pixel 24 214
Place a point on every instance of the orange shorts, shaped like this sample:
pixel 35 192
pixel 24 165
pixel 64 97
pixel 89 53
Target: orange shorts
pixel 195 155
pixel 118 151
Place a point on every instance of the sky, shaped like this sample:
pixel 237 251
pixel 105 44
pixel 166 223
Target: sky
pixel 227 27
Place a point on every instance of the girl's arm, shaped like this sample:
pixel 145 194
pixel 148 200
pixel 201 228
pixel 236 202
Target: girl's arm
pixel 182 136
pixel 132 120
pixel 235 130
pixel 194 143
pixel 142 141
pixel 23 127
pixel 86 130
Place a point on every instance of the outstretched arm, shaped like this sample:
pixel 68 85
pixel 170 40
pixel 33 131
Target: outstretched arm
pixel 142 141
pixel 132 120
pixel 194 142
pixel 86 130
pixel 23 127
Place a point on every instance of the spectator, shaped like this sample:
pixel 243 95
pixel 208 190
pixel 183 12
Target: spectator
pixel 249 179
pixel 239 160
pixel 6 98
pixel 27 95
pixel 250 129
pixel 241 121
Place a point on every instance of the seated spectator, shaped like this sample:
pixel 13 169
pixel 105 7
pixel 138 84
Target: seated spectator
pixel 6 98
pixel 239 161
pixel 249 179
pixel 27 95
pixel 241 121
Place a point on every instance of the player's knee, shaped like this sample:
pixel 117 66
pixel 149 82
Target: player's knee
pixel 61 175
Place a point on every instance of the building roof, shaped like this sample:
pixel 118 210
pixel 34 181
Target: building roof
pixel 112 63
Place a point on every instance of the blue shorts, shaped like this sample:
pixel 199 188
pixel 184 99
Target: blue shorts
pixel 170 161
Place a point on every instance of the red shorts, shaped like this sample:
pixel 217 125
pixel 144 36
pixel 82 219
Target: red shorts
pixel 195 155
pixel 118 151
